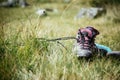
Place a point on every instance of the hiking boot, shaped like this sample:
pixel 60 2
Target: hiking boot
pixel 85 42
pixel 80 52
pixel 114 54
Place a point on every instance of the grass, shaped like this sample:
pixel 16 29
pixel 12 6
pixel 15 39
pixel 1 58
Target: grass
pixel 25 58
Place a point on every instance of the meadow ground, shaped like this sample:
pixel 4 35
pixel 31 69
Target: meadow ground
pixel 25 58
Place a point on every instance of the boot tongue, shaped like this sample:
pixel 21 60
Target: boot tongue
pixel 86 32
pixel 85 39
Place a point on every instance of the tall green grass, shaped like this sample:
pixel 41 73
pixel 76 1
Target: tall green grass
pixel 27 58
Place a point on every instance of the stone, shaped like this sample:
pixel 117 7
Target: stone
pixel 41 12
pixel 91 13
pixel 14 3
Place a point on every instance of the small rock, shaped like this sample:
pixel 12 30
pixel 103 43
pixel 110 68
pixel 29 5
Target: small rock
pixel 91 13
pixel 41 12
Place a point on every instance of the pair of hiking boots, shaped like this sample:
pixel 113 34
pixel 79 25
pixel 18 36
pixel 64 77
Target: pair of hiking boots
pixel 85 45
